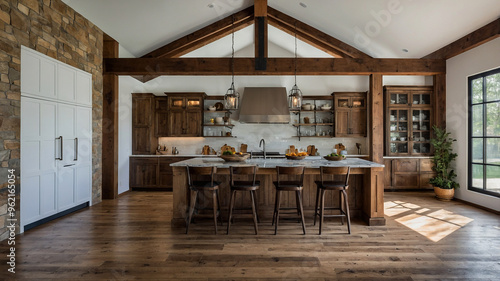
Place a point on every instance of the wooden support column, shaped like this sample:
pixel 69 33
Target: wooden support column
pixel 260 23
pixel 376 118
pixel 440 100
pixel 110 125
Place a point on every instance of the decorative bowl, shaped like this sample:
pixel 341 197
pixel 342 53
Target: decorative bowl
pixel 219 120
pixel 334 158
pixel 235 157
pixel 211 108
pixel 306 107
pixel 295 157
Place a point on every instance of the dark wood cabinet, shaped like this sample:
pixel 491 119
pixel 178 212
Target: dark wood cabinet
pixel 408 120
pixel 152 172
pixel 143 133
pixel 161 117
pixel 143 172
pixel 350 114
pixel 408 173
pixel 185 114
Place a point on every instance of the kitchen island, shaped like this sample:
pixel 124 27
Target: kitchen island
pixel 366 191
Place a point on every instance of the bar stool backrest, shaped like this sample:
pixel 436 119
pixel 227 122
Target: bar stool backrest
pixel 296 170
pixel 201 171
pixel 328 170
pixel 250 170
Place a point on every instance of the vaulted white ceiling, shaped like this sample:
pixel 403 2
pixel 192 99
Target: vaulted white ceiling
pixel 380 28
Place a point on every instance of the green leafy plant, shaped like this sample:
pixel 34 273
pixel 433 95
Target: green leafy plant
pixel 442 159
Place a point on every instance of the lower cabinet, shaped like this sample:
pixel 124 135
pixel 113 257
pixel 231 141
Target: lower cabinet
pixel 408 173
pixel 152 172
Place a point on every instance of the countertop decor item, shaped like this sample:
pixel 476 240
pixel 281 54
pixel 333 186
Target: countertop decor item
pixel 237 157
pixel 334 158
pixel 219 106
pixel 295 157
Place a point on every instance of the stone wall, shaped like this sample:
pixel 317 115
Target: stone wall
pixel 54 29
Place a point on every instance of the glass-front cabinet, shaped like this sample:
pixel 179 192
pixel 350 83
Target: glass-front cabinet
pixel 409 119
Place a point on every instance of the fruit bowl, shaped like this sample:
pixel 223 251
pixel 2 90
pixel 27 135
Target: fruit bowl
pixel 295 157
pixel 334 158
pixel 235 157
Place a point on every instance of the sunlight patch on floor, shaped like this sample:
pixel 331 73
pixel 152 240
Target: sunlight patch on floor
pixel 435 225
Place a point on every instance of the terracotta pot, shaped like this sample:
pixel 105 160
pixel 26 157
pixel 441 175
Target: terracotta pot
pixel 444 194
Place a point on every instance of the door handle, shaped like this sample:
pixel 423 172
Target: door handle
pixel 69 165
pixel 76 150
pixel 60 158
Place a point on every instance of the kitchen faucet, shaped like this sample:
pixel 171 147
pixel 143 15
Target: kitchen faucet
pixel 263 144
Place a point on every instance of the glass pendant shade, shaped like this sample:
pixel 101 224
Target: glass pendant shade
pixel 232 98
pixel 295 98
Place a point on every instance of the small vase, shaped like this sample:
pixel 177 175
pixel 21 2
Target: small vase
pixel 444 194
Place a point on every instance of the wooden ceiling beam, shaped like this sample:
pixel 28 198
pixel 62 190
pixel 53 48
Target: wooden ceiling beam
pixel 261 38
pixel 275 66
pixel 204 36
pixel 289 24
pixel 469 41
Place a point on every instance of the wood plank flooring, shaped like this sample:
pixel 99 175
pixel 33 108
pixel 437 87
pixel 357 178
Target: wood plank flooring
pixel 131 238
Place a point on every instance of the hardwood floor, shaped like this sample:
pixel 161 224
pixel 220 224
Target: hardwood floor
pixel 131 238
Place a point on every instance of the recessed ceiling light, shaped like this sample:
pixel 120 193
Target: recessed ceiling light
pixel 211 5
pixel 303 5
pixel 405 50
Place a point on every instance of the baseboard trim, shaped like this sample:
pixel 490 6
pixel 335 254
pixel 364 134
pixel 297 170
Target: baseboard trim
pixel 477 206
pixel 55 216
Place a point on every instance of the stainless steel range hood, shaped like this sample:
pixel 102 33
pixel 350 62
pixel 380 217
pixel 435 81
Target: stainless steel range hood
pixel 264 105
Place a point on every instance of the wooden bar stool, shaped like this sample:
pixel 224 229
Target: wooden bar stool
pixel 203 185
pixel 239 185
pixel 323 185
pixel 287 185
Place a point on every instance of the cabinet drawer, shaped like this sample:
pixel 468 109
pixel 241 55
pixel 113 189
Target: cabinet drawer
pixel 426 165
pixel 406 181
pixel 406 165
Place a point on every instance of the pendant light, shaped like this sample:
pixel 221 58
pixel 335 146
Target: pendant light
pixel 295 94
pixel 232 97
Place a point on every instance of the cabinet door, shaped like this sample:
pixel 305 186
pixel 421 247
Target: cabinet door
pixel 194 103
pixel 176 102
pixel 38 74
pixel 83 159
pixel 358 102
pixel 176 123
pixel 357 122
pixel 84 88
pixel 421 131
pixel 398 131
pixel 66 128
pixel 141 141
pixel 144 172
pixel 66 81
pixel 161 124
pixel 341 123
pixel 192 124
pixel 38 164
pixel 141 111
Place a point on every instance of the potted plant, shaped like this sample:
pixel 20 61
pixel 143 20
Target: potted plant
pixel 444 182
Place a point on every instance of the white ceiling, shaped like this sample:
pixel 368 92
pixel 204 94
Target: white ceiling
pixel 380 28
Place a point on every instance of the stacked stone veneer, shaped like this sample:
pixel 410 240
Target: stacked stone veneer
pixel 56 30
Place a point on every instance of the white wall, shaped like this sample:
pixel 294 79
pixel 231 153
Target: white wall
pixel 459 68
pixel 127 85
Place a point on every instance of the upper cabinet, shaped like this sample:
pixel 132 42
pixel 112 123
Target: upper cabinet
pixel 47 78
pixel 161 117
pixel 350 114
pixel 143 133
pixel 408 120
pixel 185 114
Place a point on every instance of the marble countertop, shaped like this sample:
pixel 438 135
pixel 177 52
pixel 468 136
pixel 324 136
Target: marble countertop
pixel 199 155
pixel 309 162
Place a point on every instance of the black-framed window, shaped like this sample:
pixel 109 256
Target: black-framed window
pixel 484 133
